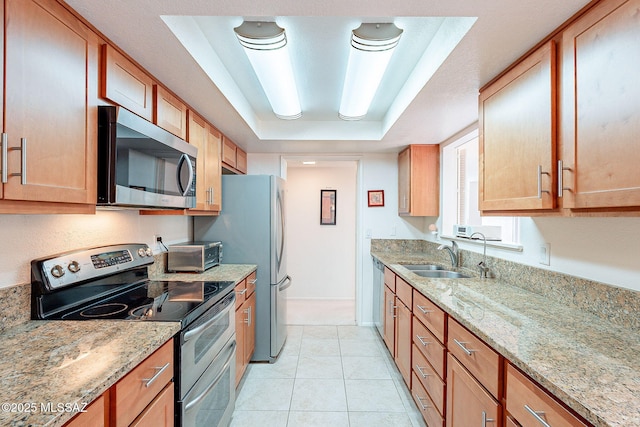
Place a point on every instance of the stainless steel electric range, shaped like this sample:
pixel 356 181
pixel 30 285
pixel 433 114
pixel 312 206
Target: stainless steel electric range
pixel 112 283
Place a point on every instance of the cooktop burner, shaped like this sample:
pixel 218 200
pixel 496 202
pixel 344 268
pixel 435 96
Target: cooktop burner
pixel 104 310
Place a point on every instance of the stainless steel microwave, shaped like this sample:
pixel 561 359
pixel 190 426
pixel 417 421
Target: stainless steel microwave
pixel 142 165
pixel 194 256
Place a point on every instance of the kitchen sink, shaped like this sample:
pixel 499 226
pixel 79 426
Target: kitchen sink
pixel 442 274
pixel 414 267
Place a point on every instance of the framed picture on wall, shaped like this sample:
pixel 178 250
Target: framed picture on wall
pixel 376 198
pixel 328 207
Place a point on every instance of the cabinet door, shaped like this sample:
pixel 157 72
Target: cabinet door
pixel 228 152
pixel 600 108
pixel 468 403
pixel 96 415
pixel 51 71
pixel 241 160
pixel 404 181
pixel 169 112
pixel 389 320
pixel 160 413
pixel 250 328
pixel 240 330
pixel 125 84
pixel 403 341
pixel 213 171
pixel 518 136
pixel 197 136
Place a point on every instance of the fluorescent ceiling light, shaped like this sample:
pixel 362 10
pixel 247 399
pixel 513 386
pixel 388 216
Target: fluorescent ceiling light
pixel 308 162
pixel 265 44
pixel 371 48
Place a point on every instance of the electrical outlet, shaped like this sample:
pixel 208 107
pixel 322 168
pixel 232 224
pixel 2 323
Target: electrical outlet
pixel 367 233
pixel 545 254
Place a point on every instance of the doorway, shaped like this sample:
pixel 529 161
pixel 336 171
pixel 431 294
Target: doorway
pixel 321 254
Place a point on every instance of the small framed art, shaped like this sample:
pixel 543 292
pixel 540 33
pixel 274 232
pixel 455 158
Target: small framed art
pixel 376 198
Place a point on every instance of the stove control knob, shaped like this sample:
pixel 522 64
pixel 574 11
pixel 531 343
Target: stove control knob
pixel 73 266
pixel 57 271
pixel 141 252
pixel 149 252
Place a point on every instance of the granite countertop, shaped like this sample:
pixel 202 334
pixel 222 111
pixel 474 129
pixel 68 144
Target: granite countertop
pixel 74 362
pixel 69 363
pixel 589 363
pixel 223 272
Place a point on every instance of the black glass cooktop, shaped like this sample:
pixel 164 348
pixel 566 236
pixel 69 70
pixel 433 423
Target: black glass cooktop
pixel 152 300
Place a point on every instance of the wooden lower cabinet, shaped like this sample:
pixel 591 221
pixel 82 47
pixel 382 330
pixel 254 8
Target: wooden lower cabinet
pixel 429 379
pixel 510 422
pixel 160 413
pixel 245 324
pixel 389 320
pixel 403 341
pixel 425 405
pixel 468 403
pixel 529 404
pixel 434 352
pixel 96 415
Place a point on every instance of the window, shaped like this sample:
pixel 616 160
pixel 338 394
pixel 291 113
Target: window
pixel 460 174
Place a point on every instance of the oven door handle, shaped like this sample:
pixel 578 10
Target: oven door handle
pixel 215 382
pixel 189 334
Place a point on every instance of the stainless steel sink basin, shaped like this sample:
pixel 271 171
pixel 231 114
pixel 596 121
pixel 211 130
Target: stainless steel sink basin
pixel 414 267
pixel 442 274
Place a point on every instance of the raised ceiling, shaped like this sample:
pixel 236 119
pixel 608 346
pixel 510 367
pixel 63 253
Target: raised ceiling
pixel 443 104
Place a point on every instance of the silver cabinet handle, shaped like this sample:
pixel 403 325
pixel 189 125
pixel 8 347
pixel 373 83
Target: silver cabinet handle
pixel 248 319
pixel 536 415
pixel 419 368
pixel 242 292
pixel 5 151
pixel 253 282
pixel 23 172
pixel 486 420
pixel 160 370
pixel 540 190
pixel 423 407
pixel 464 348
pixel 561 187
pixel 424 310
pixel 422 341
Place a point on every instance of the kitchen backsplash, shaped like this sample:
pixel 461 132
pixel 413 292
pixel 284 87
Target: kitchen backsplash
pixel 618 305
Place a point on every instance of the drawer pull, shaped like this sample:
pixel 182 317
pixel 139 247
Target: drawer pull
pixel 253 282
pixel 242 292
pixel 464 348
pixel 486 420
pixel 536 415
pixel 5 151
pixel 424 310
pixel 422 341
pixel 423 407
pixel 160 370
pixel 419 368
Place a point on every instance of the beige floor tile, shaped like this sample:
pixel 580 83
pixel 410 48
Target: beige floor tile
pixel 365 368
pixel 358 332
pixel 356 347
pixel 319 395
pixel 265 394
pixel 259 418
pixel 319 347
pixel 320 367
pixel 379 419
pixel 322 332
pixel 284 367
pixel 318 419
pixel 373 396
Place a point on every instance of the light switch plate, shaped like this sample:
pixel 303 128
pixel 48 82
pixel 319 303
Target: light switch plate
pixel 545 254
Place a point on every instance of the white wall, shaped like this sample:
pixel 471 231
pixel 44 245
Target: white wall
pixel 27 237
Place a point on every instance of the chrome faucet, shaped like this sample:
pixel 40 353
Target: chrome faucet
pixel 482 265
pixel 453 252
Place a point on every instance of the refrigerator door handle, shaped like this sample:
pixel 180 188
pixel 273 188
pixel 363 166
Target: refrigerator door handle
pixel 286 283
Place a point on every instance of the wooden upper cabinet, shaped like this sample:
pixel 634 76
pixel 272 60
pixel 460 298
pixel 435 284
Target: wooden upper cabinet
pixel 50 110
pixel 208 183
pixel 600 107
pixel 169 112
pixel 517 123
pixel 125 83
pixel 419 181
pixel 228 152
pixel 241 160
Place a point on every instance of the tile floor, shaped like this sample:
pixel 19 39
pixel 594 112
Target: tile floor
pixel 338 376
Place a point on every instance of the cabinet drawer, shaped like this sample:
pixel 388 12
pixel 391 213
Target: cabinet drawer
pixel 241 292
pixel 429 379
pixel 475 355
pixel 425 405
pixel 430 315
pixel 251 284
pixel 160 412
pixel 390 279
pixel 140 386
pixel 95 415
pixel 404 291
pixel 526 402
pixel 430 347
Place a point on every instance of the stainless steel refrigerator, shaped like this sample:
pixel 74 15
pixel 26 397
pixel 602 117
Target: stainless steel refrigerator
pixel 252 228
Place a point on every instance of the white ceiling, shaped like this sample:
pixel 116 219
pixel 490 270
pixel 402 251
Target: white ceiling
pixel 447 103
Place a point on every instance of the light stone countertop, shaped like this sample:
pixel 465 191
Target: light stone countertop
pixel 69 362
pixel 74 362
pixel 589 363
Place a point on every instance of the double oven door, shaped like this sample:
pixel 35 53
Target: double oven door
pixel 205 391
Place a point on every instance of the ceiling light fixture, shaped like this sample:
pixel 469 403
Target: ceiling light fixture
pixel 371 48
pixel 265 44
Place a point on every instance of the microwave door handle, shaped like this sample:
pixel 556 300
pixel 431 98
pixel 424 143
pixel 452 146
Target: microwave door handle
pixel 185 159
